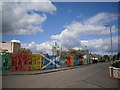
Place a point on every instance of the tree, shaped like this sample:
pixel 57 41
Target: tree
pixel 106 57
pixel 70 52
pixel 24 50
pixel 115 57
pixel 118 56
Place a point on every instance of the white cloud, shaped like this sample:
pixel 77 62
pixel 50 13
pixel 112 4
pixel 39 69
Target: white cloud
pixel 101 45
pixel 16 19
pixel 45 47
pixel 101 18
pixel 90 26
pixel 69 37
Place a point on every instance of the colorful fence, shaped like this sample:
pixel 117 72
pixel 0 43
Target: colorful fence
pixel 63 61
pixel 25 61
pixel 46 62
pixel 95 61
pixel 50 62
pixel 35 61
pixel 68 61
pixel 71 61
pixel 57 62
pixel 20 61
pixel 6 61
pixel 76 61
pixel 81 61
pixel 90 61
pixel 86 61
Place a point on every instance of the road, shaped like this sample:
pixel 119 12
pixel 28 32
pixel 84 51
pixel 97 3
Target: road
pixel 91 76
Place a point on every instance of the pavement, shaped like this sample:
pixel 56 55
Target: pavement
pixel 35 72
pixel 91 76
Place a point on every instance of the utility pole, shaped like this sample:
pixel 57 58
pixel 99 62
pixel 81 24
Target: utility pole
pixel 87 54
pixel 111 44
pixel 111 57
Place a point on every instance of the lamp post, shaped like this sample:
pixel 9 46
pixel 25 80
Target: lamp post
pixel 87 54
pixel 111 42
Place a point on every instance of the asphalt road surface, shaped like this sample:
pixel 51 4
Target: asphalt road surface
pixel 91 76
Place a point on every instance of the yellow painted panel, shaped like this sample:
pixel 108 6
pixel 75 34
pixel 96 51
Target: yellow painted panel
pixel 71 60
pixel 35 61
pixel 90 61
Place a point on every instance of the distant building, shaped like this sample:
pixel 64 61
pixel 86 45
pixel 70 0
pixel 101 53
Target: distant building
pixel 10 47
pixel 96 56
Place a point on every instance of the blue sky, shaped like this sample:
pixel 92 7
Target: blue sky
pixel 65 14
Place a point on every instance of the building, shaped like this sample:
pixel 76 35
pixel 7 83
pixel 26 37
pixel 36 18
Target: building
pixel 10 47
pixel 96 56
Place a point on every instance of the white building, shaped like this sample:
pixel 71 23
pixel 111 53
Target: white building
pixel 10 47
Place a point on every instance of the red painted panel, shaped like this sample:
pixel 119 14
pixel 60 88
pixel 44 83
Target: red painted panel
pixel 68 61
pixel 20 61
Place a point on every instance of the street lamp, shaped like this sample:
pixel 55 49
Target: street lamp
pixel 111 42
pixel 87 54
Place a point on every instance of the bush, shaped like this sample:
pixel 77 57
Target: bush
pixel 116 64
pixel 24 50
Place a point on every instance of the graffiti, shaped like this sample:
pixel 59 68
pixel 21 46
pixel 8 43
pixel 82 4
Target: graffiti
pixel 26 61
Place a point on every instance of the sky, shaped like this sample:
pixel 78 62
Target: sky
pixel 71 24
